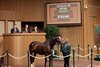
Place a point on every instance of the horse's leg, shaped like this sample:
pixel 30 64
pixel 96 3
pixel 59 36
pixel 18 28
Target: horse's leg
pixel 45 61
pixel 32 59
pixel 50 62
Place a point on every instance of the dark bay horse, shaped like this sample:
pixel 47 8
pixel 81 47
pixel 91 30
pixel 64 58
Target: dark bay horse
pixel 44 48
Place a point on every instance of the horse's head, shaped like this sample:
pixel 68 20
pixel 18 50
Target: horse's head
pixel 58 39
pixel 55 40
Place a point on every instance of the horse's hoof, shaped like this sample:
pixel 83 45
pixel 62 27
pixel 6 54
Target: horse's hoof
pixel 31 65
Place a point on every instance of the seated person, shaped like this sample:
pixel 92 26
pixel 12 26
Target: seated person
pixel 26 29
pixel 15 29
pixel 35 28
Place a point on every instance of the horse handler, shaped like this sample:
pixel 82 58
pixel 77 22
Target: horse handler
pixel 65 48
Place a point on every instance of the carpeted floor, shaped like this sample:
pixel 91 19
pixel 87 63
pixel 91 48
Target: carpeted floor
pixel 59 63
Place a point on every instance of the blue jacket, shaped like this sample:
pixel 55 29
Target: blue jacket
pixel 65 48
pixel 12 30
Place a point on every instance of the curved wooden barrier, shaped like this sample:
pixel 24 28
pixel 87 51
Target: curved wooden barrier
pixel 18 46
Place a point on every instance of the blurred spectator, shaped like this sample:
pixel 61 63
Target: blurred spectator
pixel 14 29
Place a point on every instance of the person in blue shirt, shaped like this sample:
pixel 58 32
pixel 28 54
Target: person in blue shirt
pixel 65 48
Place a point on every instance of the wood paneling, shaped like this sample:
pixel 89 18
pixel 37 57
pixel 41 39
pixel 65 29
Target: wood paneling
pixel 30 10
pixel 18 46
pixel 74 34
pixel 25 10
pixel 91 17
pixel 94 2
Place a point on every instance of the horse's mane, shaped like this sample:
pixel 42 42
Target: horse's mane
pixel 50 42
pixel 46 42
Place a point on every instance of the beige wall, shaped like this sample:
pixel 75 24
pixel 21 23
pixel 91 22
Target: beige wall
pixel 1 45
pixel 2 27
pixel 18 23
pixel 10 25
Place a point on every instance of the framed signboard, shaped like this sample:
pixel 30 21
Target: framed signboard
pixel 68 13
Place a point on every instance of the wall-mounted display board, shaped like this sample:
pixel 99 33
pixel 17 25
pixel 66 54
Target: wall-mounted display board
pixel 68 13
